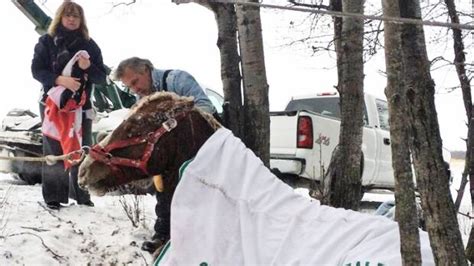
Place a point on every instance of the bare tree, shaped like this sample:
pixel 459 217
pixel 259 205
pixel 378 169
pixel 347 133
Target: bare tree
pixel 255 87
pixel 460 64
pixel 346 184
pixel 405 212
pixel 425 143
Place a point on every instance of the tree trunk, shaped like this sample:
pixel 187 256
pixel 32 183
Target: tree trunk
pixel 255 87
pixel 405 212
pixel 460 64
pixel 425 144
pixel 469 167
pixel 230 69
pixel 346 185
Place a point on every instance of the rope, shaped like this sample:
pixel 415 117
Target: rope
pixel 397 20
pixel 49 159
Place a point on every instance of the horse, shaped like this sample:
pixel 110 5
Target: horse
pixel 134 156
pixel 227 207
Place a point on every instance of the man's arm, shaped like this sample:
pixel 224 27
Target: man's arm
pixel 185 85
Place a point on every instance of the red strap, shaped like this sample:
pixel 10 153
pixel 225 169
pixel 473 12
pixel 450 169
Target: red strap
pixel 103 155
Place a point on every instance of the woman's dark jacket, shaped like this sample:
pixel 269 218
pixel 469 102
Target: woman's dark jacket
pixel 52 54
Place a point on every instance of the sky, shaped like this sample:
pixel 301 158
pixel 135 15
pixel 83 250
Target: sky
pixel 184 37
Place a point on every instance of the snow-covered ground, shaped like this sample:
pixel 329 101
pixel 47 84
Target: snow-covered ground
pixel 31 234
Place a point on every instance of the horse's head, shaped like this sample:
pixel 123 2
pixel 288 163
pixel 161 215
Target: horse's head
pixel 161 132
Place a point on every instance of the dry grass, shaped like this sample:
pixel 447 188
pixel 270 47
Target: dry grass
pixel 133 207
pixel 4 211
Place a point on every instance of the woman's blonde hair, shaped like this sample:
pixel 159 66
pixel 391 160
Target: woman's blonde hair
pixel 68 7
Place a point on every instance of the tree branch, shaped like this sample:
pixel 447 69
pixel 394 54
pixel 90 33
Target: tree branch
pixel 35 229
pixel 309 5
pixel 56 256
pixel 466 215
pixel 124 4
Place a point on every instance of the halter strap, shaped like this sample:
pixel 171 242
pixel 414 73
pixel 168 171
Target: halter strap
pixel 102 154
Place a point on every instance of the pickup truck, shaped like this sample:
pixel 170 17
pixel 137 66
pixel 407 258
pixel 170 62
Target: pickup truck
pixel 303 137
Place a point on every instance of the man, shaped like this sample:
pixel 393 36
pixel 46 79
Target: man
pixel 143 79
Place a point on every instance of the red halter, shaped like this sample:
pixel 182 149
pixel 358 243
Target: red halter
pixel 102 154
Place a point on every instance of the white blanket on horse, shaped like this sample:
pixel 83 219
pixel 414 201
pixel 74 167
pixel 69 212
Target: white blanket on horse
pixel 229 209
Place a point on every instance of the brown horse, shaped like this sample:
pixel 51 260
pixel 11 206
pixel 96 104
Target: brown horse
pixel 161 132
pixel 228 208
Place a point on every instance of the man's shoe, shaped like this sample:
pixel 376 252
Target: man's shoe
pixel 53 205
pixel 87 203
pixel 152 245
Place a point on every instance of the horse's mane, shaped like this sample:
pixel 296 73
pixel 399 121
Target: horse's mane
pixel 158 97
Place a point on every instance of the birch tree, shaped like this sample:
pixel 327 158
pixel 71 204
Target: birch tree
pixel 255 87
pixel 460 65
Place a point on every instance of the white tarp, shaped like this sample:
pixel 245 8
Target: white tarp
pixel 229 209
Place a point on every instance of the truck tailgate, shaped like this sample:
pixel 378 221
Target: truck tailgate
pixel 283 133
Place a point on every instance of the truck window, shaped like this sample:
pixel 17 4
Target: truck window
pixel 325 106
pixel 382 111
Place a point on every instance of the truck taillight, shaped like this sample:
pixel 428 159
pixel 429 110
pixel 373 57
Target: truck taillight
pixel 305 133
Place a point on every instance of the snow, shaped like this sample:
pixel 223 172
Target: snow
pixel 31 234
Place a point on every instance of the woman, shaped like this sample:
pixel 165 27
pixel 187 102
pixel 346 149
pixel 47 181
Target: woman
pixel 67 45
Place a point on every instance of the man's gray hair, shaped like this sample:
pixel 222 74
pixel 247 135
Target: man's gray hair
pixel 136 64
